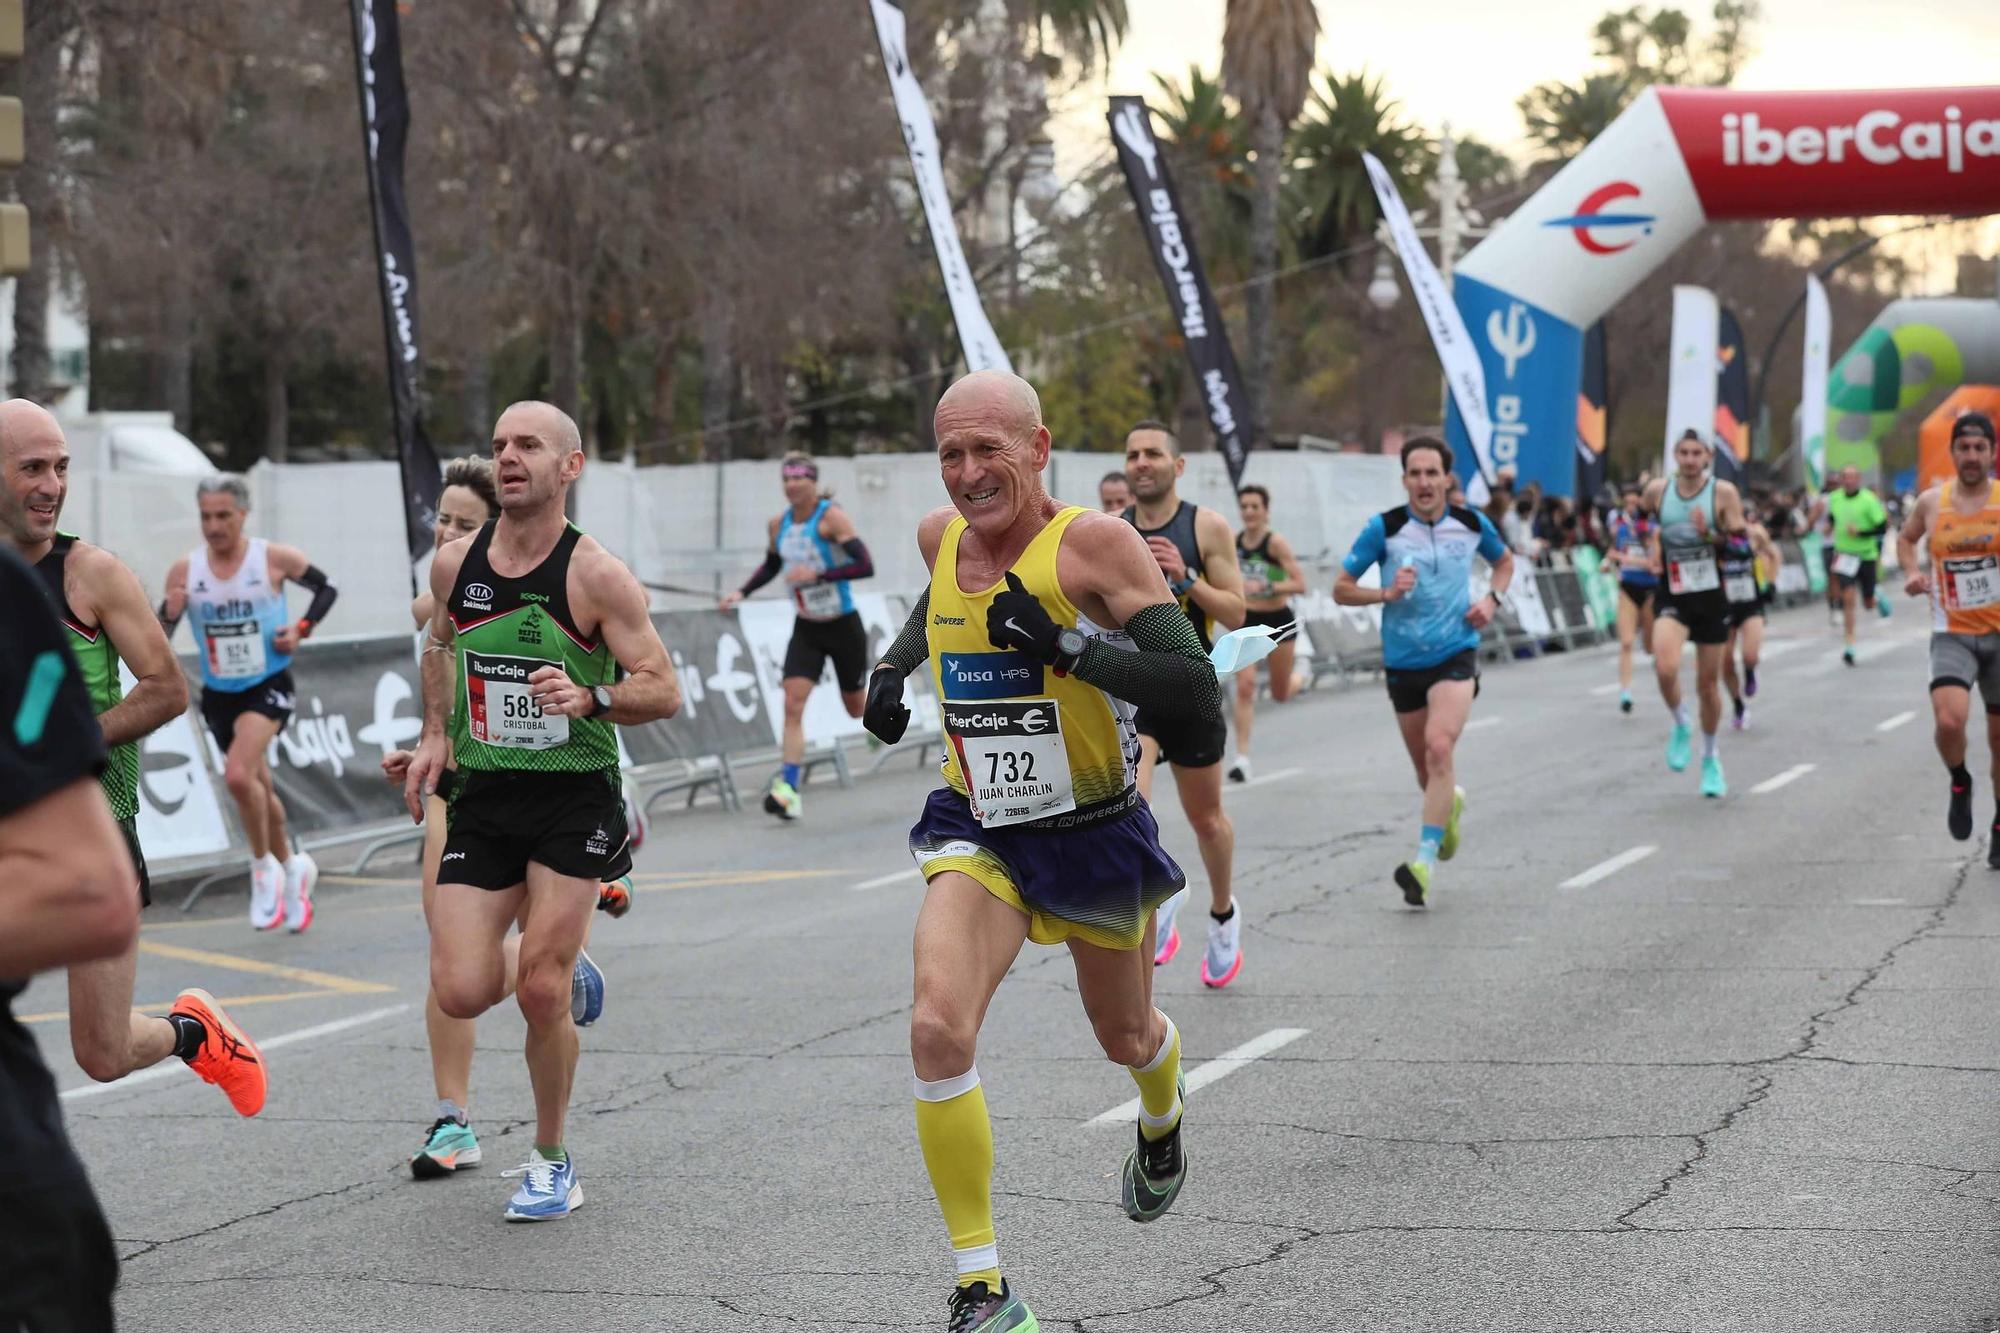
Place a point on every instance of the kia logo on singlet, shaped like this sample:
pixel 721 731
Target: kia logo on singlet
pixel 478 592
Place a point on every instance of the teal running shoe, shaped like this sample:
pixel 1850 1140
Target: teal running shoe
pixel 1680 746
pixel 980 1309
pixel 450 1147
pixel 1712 784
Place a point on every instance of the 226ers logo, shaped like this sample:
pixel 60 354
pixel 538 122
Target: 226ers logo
pixel 500 706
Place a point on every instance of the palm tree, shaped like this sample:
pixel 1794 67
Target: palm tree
pixel 1562 118
pixel 1267 59
pixel 1086 29
pixel 1333 204
pixel 1205 145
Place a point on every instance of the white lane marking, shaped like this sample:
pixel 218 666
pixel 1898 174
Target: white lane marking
pixel 169 1067
pixel 1279 776
pixel 1482 722
pixel 1202 1075
pixel 1790 775
pixel 1606 869
pixel 1612 688
pixel 1881 902
pixel 881 880
pixel 1891 723
pixel 1780 647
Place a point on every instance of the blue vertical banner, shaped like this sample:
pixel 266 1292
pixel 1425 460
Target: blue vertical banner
pixel 1534 366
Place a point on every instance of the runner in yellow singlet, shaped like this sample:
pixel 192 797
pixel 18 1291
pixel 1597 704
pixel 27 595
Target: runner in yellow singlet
pixel 1044 626
pixel 1962 520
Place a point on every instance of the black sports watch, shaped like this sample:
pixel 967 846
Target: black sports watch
pixel 600 700
pixel 1070 644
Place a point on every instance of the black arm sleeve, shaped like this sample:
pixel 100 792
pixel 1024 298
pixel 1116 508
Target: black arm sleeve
pixel 323 593
pixel 167 622
pixel 1169 675
pixel 858 566
pixel 765 573
pixel 913 643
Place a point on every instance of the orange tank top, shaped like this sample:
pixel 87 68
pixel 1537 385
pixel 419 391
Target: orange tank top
pixel 1965 567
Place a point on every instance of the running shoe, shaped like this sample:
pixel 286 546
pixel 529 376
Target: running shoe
pixel 783 800
pixel 450 1147
pixel 1624 701
pixel 267 903
pixel 1993 847
pixel 227 1058
pixel 980 1309
pixel 1224 957
pixel 1741 720
pixel 1240 770
pixel 1958 816
pixel 1155 1171
pixel 1848 656
pixel 301 876
pixel 1882 607
pixel 1448 848
pixel 1414 879
pixel 549 1190
pixel 636 826
pixel 615 898
pixel 1680 746
pixel 1166 930
pixel 586 991
pixel 1750 682
pixel 1712 785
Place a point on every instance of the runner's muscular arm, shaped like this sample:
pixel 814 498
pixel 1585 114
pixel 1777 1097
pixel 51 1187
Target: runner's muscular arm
pixel 612 597
pixel 838 529
pixel 912 643
pixel 174 605
pixel 1656 492
pixel 1109 573
pixel 1917 582
pixel 763 574
pixel 113 595
pixel 1729 518
pixel 1219 591
pixel 69 883
pixel 420 778
pixel 289 562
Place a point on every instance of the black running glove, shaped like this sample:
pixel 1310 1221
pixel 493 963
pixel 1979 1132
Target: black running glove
pixel 885 714
pixel 1016 620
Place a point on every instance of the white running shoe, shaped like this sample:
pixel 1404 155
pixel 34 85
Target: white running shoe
pixel 1240 770
pixel 1224 957
pixel 267 884
pixel 1166 935
pixel 301 876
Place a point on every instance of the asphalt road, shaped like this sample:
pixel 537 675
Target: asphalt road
pixel 1744 1080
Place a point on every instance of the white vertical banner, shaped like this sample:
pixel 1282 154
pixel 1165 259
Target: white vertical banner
pixel 1691 373
pixel 1455 349
pixel 975 332
pixel 1812 382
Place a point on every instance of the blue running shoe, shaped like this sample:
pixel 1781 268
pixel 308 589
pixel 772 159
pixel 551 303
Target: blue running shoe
pixel 1680 746
pixel 1712 785
pixel 450 1147
pixel 549 1190
pixel 586 991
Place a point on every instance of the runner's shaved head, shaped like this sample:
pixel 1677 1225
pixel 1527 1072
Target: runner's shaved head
pixel 548 421
pixel 991 395
pixel 22 421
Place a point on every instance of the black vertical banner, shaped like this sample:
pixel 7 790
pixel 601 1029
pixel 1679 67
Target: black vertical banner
pixel 1732 401
pixel 385 129
pixel 1592 421
pixel 1188 295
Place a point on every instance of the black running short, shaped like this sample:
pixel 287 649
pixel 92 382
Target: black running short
pixel 130 828
pixel 61 1263
pixel 573 823
pixel 1410 690
pixel 1639 593
pixel 1864 577
pixel 1184 742
pixel 1705 614
pixel 1281 620
pixel 221 708
pixel 1742 613
pixel 843 641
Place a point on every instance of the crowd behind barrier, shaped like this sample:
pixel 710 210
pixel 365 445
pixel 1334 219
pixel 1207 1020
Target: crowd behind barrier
pixel 358 698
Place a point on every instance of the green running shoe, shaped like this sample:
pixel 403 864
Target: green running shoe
pixel 1414 879
pixel 450 1147
pixel 1449 847
pixel 980 1309
pixel 1156 1169
pixel 1680 746
pixel 1712 784
pixel 783 800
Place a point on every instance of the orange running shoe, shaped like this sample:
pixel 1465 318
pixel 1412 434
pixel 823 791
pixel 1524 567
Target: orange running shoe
pixel 227 1058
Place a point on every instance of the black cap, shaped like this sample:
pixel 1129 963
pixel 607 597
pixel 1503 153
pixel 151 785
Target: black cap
pixel 1973 423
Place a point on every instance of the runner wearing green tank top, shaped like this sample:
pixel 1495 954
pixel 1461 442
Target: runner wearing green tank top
pixel 1699 515
pixel 106 619
pixel 542 638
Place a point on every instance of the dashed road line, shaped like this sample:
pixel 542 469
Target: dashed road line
pixel 1204 1074
pixel 883 881
pixel 1790 775
pixel 1607 868
pixel 1891 723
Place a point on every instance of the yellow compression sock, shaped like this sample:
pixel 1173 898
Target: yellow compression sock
pixel 957 1138
pixel 1159 1087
